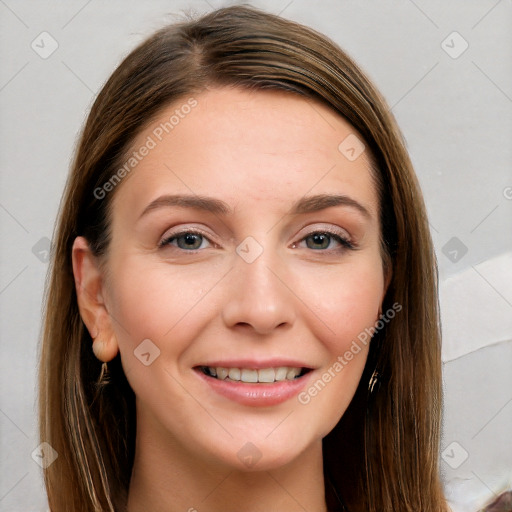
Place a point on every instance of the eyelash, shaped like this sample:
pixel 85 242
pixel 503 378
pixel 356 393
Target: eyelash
pixel 345 244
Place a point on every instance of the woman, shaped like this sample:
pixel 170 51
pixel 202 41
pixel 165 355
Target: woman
pixel 242 311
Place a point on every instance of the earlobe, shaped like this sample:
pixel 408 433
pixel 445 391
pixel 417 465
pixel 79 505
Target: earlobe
pixel 89 291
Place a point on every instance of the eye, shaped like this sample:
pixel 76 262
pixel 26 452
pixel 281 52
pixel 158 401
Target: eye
pixel 324 240
pixel 186 240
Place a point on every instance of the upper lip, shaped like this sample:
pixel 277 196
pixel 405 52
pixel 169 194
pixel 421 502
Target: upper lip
pixel 256 364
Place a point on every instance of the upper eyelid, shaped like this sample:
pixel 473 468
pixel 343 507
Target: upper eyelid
pixel 166 237
pixel 328 229
pixel 334 231
pixel 331 230
pixel 345 241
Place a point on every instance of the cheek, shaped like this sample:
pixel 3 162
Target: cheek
pixel 167 306
pixel 159 303
pixel 346 301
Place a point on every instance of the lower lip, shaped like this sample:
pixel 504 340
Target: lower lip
pixel 257 395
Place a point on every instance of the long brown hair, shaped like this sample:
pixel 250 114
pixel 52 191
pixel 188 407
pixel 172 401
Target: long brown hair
pixel 383 454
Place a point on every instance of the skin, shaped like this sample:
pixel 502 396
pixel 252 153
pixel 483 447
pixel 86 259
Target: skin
pixel 259 152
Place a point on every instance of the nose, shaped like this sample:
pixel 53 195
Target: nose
pixel 258 296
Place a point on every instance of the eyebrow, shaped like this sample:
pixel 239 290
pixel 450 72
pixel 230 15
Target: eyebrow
pixel 307 204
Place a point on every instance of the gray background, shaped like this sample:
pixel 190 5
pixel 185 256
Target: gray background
pixel 453 106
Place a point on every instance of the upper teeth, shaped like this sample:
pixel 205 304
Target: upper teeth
pixel 250 375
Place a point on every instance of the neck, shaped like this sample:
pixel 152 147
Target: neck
pixel 167 478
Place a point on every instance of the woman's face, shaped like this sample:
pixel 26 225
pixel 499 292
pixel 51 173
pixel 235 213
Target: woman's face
pixel 222 262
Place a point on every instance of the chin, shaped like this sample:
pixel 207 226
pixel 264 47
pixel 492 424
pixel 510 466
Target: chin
pixel 257 453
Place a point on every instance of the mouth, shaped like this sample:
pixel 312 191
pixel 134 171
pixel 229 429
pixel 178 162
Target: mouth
pixel 255 384
pixel 254 375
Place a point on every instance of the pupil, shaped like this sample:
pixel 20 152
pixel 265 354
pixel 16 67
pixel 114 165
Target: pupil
pixel 321 239
pixel 191 239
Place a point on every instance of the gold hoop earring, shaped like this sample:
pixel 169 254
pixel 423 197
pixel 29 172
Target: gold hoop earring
pixel 374 381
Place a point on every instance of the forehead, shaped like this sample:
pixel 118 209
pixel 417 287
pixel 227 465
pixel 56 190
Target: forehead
pixel 247 146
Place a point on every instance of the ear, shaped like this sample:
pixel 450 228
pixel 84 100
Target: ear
pixel 89 286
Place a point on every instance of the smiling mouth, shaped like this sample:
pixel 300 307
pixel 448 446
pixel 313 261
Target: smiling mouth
pixel 255 376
